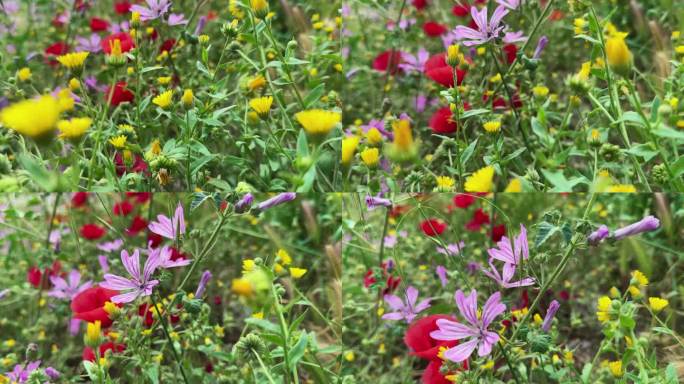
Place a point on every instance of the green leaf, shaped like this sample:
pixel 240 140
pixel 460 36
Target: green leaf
pixel 645 151
pixel 309 178
pixel 297 352
pixel 560 182
pixel 544 232
pixel 669 133
pixel 314 95
pixel 586 371
pixel 468 152
pixel 678 167
pixel 263 324
pixel 302 144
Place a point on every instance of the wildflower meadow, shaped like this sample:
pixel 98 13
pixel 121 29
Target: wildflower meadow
pixel 161 95
pixel 513 288
pixel 166 288
pixel 514 95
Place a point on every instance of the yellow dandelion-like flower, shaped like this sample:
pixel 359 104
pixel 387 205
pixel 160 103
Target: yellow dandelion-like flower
pixel 248 265
pixel 256 82
pixel 24 74
pixel 638 278
pixel 622 188
pixel 515 185
pixel 373 136
pixel 297 272
pixel 615 368
pixel 73 61
pixel 657 304
pixel 603 308
pixel 481 180
pixel 242 287
pixel 284 256
pixel 261 105
pixel 164 99
pixel 32 118
pixel 187 97
pixel 164 80
pixel 540 91
pixel 318 122
pixel 73 128
pixel 370 156
pixel 403 137
pixel 349 145
pixel 492 126
pixel 619 55
pixel 118 142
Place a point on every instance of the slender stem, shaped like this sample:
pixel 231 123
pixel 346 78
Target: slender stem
pixel 162 320
pixel 508 362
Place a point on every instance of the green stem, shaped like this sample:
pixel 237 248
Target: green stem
pixel 162 320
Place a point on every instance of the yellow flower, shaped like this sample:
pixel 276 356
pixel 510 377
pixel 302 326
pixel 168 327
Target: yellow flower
pixel 260 7
pixel 657 304
pixel 74 84
pixel 492 126
pixel 258 315
pixel 284 257
pixel 639 278
pixel 73 61
pixel 444 183
pixel 349 145
pixel 164 99
pixel 203 39
pixel 453 55
pixel 163 80
pixel 614 293
pixel 370 156
pixel 622 188
pixel 32 118
pixel 679 49
pixel 24 74
pixel 579 26
pixel 318 122
pixel 118 142
pixel 515 185
pixel 66 102
pixel 403 137
pixel 634 291
pixel 619 55
pixel 187 97
pixel 615 368
pixel 297 272
pixel 242 287
pixel 256 82
pixel 481 180
pixel 92 336
pixel 73 128
pixel 248 265
pixel 349 356
pixel 261 105
pixel 603 308
pixel 540 91
pixel 373 136
pixel 111 308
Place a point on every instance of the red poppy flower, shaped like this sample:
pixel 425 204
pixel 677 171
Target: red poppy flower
pixel 462 10
pixel 369 278
pixel 92 231
pixel 153 240
pixel 122 7
pixel 479 219
pixel 146 314
pixel 437 69
pixel 89 355
pixel 434 29
pixel 97 24
pixel 35 276
pixel 382 61
pixel 123 208
pixel 498 231
pixel 79 199
pixel 464 200
pixel 420 4
pixel 392 284
pixel 139 197
pixel 167 45
pixel 441 122
pixel 138 166
pixel 433 227
pixel 417 338
pixel 511 52
pixel 137 225
pixel 119 95
pixel 57 49
pixel 124 38
pixel 178 255
pixel 89 305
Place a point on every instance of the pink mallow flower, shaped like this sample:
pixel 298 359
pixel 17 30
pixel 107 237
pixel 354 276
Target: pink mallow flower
pixel 139 283
pixel 167 227
pixel 67 289
pixel 511 255
pixel 486 31
pixel 476 329
pixel 407 310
